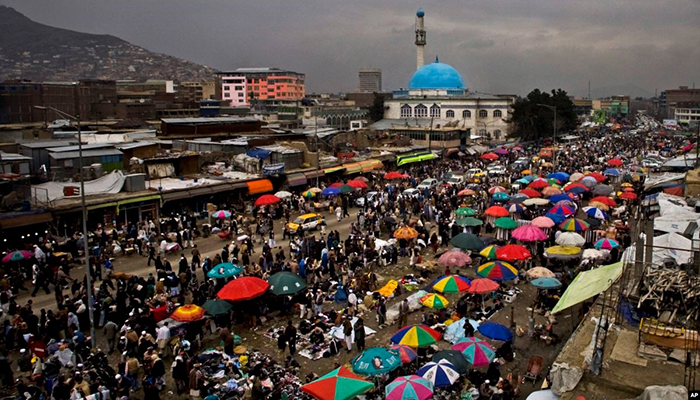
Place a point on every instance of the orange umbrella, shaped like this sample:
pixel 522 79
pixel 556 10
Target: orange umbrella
pixel 482 286
pixel 497 211
pixel 188 313
pixel 406 232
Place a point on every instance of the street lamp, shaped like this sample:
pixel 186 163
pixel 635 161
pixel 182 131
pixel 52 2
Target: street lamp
pixel 554 128
pixel 84 210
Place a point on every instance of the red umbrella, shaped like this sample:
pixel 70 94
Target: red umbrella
pixel 513 252
pixel 337 184
pixel 245 288
pixel 393 175
pixel 266 200
pixel 482 286
pixel 530 193
pixel 615 162
pixel 497 211
pixel 574 186
pixel 538 183
pixel 489 156
pixel 628 189
pixel 628 196
pixel 605 200
pixel 357 184
pixel 597 175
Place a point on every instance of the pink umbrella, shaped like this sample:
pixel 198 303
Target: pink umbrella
pixel 543 222
pixel 18 255
pixel 529 233
pixel 454 258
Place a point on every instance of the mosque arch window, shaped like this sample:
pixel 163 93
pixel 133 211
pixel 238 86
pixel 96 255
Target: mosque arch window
pixel 421 111
pixel 483 114
pixel 406 111
pixel 435 111
pixel 466 114
pixel 497 114
pixel 497 134
pixel 449 114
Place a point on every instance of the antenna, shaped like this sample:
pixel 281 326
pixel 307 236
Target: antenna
pixel 589 89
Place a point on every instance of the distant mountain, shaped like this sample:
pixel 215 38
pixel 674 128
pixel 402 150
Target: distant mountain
pixel 621 90
pixel 30 50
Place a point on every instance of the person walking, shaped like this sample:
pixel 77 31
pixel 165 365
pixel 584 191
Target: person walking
pixel 360 334
pixel 403 313
pixel 110 330
pixel 347 331
pixel 291 334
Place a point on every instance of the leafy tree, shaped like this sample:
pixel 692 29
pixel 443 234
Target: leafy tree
pixel 376 111
pixel 534 122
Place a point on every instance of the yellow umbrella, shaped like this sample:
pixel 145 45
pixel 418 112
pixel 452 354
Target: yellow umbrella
pixel 526 172
pixel 406 232
pixel 434 300
pixel 564 250
pixel 547 164
pixel 188 313
pixel 627 184
pixel 600 205
pixel 315 190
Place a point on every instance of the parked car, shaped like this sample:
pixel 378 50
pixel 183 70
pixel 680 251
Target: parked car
pixel 411 193
pixel 361 200
pixel 456 180
pixel 427 184
pixel 306 222
pixel 497 170
pixel 474 171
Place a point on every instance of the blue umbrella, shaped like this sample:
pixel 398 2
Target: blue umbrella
pixel 557 218
pixel 501 196
pixel 612 172
pixel 495 331
pixel 441 373
pixel 559 197
pixel 518 198
pixel 330 191
pixel 523 181
pixel 577 190
pixel 546 283
pixel 595 212
pixel 529 178
pixel 225 270
pixel 560 176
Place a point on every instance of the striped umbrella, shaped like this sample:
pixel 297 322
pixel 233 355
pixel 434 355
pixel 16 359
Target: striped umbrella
pixel 497 271
pixel 606 244
pixel 489 252
pixel 416 336
pixel 452 284
pixel 17 255
pixel 339 384
pixel 562 209
pixel 406 353
pixel 515 208
pixel 411 387
pixel 188 313
pixel 441 373
pixel 478 352
pixel 308 194
pixel 221 214
pixel 434 300
pixel 406 232
pixel 497 189
pixel 574 225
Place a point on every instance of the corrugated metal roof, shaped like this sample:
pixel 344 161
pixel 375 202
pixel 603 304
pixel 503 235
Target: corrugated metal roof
pixel 207 120
pixel 13 157
pixel 46 144
pixel 85 147
pixel 134 145
pixel 86 153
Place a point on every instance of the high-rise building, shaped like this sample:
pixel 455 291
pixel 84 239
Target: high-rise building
pixel 243 85
pixel 370 80
pixel 684 98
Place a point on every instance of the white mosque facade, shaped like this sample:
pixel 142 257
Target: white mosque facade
pixel 437 109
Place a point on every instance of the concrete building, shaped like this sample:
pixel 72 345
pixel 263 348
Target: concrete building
pixel 246 85
pixel 616 106
pixel 687 116
pixel 582 107
pixel 370 80
pixel 684 98
pixel 190 94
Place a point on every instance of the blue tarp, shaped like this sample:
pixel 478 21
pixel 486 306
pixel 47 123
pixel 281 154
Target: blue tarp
pixel 260 154
pixel 273 169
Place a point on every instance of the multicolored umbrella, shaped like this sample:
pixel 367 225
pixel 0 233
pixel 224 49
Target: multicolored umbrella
pixel 225 270
pixel 285 283
pixel 406 353
pixel 506 223
pixel 546 283
pixel 501 196
pixel 557 218
pixel 606 244
pixel 245 288
pixel 489 252
pixel 455 259
pixel 469 221
pixel 497 271
pixel 434 300
pixel 376 361
pixel 339 384
pixel 411 387
pixel 217 307
pixel 478 352
pixel 482 286
pixel 416 336
pixel 454 357
pixel 495 331
pixel 496 189
pixel 529 233
pixel 465 212
pixel 452 284
pixel 576 188
pixel 595 175
pixel 467 241
pixel 574 225
pixel 513 252
pixel 406 232
pixel 308 194
pixel 595 212
pixel 18 255
pixel 497 211
pixel 563 210
pixel 267 200
pixel 221 214
pixel 543 222
pixel 441 373
pixel 188 313
pixel 330 191
pixel 515 208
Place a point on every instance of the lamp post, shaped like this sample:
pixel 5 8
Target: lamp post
pixel 554 129
pixel 84 210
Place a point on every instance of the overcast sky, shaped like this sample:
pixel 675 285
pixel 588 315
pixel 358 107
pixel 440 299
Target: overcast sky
pixel 499 46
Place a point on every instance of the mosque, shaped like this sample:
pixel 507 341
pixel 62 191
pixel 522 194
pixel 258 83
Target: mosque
pixel 437 110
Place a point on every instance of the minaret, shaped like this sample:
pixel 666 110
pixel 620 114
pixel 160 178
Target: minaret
pixel 420 38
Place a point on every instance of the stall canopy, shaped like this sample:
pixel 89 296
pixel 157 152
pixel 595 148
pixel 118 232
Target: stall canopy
pixel 260 154
pixel 259 186
pixel 370 165
pixel 333 169
pixel 352 168
pixel 588 284
pixel 296 179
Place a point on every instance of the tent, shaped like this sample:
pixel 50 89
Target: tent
pixel 455 331
pixel 588 284
pixel 670 245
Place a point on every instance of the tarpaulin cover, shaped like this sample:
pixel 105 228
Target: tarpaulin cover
pixel 664 393
pixel 296 179
pixel 111 183
pixel 670 245
pixel 588 284
pixel 675 190
pixel 260 154
pixel 352 168
pixel 259 186
pixel 273 169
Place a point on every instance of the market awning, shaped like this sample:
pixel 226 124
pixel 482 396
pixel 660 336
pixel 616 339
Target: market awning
pixel 370 165
pixel 451 151
pixel 137 200
pixel 333 170
pixel 25 220
pixel 588 284
pixel 259 186
pixel 314 174
pixel 352 168
pixel 296 179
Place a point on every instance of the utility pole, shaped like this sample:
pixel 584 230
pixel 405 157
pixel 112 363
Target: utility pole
pixel 318 153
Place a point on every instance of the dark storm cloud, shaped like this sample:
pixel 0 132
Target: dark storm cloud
pixel 506 46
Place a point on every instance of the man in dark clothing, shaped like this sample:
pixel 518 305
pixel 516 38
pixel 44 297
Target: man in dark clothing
pixel 151 255
pixel 291 334
pixel 183 266
pixel 224 255
pixel 360 334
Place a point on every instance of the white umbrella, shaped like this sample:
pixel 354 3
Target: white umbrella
pixel 592 254
pixel 542 395
pixel 283 194
pixel 536 202
pixel 570 239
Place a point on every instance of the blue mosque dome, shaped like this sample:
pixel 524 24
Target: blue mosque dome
pixel 436 76
pixel 420 13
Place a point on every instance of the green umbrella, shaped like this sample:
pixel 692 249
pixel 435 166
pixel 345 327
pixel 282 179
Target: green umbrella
pixel 465 212
pixel 376 361
pixel 506 223
pixel 467 241
pixel 217 307
pixel 346 189
pixel 339 384
pixel 286 283
pixel 225 270
pixel 469 221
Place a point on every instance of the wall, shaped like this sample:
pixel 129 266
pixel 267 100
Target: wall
pixel 234 90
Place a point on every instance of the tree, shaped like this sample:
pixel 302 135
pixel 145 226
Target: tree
pixel 376 111
pixel 534 122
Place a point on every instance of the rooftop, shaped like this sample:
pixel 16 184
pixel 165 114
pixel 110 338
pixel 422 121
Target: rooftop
pixel 86 153
pixel 208 120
